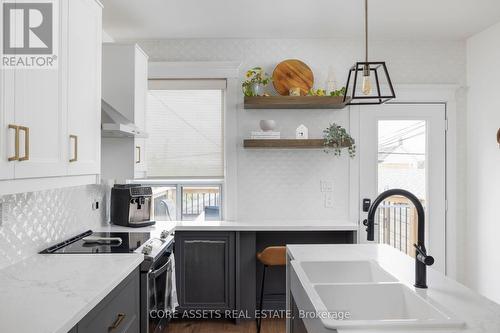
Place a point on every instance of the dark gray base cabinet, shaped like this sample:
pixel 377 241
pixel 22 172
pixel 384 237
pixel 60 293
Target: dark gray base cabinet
pixel 205 270
pixel 118 312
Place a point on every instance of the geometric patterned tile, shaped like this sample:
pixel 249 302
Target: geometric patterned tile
pixel 32 221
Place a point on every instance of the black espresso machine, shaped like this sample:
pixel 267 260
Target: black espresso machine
pixel 131 205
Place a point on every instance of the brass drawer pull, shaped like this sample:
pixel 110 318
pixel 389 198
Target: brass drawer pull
pixel 138 154
pixel 26 131
pixel 117 322
pixel 75 142
pixel 16 143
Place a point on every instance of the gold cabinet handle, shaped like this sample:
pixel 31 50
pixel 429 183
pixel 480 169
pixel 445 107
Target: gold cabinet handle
pixel 16 143
pixel 138 154
pixel 75 142
pixel 26 131
pixel 118 321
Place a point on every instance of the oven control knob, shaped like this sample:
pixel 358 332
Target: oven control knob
pixel 147 249
pixel 164 234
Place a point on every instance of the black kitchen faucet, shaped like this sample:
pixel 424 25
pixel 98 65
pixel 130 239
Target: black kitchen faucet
pixel 422 260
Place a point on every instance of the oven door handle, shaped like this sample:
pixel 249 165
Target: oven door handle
pixel 160 270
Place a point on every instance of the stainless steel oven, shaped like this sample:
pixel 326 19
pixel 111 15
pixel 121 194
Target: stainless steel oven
pixel 156 290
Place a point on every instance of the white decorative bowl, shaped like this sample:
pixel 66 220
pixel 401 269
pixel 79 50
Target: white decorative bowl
pixel 267 125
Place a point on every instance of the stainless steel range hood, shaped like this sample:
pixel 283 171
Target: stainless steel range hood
pixel 116 125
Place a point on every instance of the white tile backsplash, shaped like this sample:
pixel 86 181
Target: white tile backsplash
pixel 35 220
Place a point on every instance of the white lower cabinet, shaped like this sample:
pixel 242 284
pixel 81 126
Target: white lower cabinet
pixel 50 118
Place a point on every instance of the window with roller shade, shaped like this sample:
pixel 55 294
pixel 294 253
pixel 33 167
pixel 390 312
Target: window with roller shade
pixel 185 157
pixel 185 127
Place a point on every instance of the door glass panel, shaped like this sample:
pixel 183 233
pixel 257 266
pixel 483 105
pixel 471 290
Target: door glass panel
pixel 402 160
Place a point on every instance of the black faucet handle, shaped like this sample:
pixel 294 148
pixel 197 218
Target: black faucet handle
pixel 422 255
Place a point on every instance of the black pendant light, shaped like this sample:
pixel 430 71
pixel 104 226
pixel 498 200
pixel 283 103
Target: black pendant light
pixel 368 83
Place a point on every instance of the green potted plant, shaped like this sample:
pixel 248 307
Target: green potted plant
pixel 336 139
pixel 322 92
pixel 339 92
pixel 256 81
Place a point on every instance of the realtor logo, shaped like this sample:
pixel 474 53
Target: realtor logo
pixel 29 38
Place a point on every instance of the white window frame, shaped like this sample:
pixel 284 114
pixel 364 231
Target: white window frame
pixel 179 184
pixel 209 71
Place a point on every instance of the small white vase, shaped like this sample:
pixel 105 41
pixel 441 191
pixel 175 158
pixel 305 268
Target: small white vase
pixel 267 125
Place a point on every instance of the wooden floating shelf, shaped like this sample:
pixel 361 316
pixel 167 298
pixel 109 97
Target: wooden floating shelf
pixel 286 143
pixel 295 102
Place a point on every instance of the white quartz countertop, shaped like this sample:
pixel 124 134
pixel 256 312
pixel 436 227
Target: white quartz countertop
pixel 51 293
pixel 272 225
pixel 480 314
pixel 260 225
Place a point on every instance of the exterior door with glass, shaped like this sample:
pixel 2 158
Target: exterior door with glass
pixel 404 146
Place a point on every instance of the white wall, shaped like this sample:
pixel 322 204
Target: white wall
pixel 286 184
pixel 483 183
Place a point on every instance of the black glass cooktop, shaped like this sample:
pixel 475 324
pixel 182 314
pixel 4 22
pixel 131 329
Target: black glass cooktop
pixel 130 241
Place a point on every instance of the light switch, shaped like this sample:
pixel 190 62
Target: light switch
pixel 329 200
pixel 326 186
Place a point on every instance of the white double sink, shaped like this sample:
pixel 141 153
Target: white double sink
pixel 362 295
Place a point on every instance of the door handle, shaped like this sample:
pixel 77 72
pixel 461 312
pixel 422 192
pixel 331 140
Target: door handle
pixel 117 322
pixel 26 131
pixel 138 154
pixel 366 205
pixel 161 270
pixel 75 143
pixel 16 143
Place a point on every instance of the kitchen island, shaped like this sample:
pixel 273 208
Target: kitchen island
pixel 314 287
pixel 216 265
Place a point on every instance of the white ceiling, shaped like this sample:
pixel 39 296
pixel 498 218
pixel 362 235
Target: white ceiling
pixel 389 19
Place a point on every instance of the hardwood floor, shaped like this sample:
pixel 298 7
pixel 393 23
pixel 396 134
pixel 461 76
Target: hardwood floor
pixel 222 326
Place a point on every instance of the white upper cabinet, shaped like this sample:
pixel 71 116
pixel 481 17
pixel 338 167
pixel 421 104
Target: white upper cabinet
pixel 49 116
pixel 40 113
pixel 140 167
pixel 141 88
pixel 84 87
pixel 125 80
pixel 7 135
pixel 124 88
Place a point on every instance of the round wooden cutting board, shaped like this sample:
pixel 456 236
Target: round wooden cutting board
pixel 292 73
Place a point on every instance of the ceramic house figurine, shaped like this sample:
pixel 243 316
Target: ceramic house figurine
pixel 302 132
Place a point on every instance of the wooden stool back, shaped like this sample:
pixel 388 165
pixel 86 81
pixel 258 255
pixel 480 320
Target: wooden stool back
pixel 273 256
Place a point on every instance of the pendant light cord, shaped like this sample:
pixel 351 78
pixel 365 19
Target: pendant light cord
pixel 366 30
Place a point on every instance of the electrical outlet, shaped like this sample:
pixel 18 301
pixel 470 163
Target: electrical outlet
pixel 326 186
pixel 328 199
